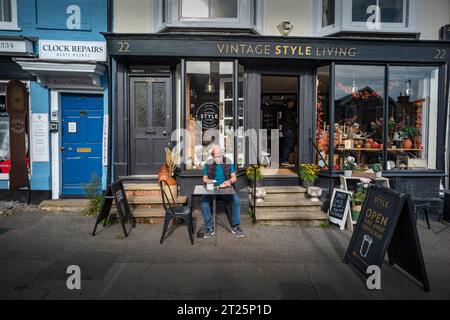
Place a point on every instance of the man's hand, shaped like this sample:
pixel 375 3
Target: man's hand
pixel 226 184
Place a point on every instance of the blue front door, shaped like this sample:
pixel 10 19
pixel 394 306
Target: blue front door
pixel 82 124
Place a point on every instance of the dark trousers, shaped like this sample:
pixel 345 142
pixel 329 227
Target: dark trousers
pixel 288 143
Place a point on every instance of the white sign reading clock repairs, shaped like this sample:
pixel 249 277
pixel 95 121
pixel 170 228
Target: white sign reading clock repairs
pixel 72 50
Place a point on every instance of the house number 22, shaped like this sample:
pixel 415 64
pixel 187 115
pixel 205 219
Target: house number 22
pixel 440 54
pixel 124 47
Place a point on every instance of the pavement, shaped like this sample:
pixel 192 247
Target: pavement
pixel 270 263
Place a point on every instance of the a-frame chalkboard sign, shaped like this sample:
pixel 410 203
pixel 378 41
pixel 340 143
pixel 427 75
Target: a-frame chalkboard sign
pixel 115 193
pixel 387 225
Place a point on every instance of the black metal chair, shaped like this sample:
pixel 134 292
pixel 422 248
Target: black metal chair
pixel 173 212
pixel 425 199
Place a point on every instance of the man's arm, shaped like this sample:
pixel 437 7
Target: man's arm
pixel 230 182
pixel 205 179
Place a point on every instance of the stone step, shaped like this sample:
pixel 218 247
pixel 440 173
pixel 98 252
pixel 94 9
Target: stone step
pixel 283 200
pixel 300 218
pixel 64 205
pixel 141 187
pixel 152 200
pixel 282 190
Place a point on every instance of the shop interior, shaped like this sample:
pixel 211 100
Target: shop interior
pixel 277 92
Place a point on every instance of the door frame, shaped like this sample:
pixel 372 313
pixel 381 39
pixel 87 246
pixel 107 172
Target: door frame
pixel 170 95
pixel 56 137
pixel 306 100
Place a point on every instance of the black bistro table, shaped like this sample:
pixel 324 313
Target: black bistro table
pixel 202 191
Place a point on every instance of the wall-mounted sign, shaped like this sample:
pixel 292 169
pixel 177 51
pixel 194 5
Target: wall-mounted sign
pixel 72 50
pixel 39 137
pixel 208 114
pixel 105 140
pixel 16 46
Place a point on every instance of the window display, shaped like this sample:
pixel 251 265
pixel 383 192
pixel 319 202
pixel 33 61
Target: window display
pixel 209 110
pixel 359 115
pixel 412 131
pixel 323 114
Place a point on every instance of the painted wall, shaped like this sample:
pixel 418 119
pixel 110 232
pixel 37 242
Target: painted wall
pixel 433 15
pixel 296 11
pixel 132 16
pixel 53 20
pixel 136 16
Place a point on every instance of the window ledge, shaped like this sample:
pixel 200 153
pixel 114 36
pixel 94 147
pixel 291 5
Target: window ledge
pixel 5 28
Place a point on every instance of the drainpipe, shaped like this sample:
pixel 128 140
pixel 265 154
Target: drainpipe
pixel 109 14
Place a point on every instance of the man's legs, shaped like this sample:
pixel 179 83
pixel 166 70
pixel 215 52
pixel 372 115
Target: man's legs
pixel 287 145
pixel 205 204
pixel 236 208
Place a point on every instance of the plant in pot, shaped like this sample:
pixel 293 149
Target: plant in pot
pixel 349 166
pixel 408 134
pixel 377 169
pixel 358 199
pixel 254 177
pixel 308 173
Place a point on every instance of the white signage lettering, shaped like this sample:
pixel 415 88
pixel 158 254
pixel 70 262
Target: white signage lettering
pixel 374 21
pixel 72 50
pixel 74 19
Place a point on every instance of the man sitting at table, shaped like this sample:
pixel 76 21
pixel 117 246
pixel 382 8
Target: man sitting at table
pixel 221 170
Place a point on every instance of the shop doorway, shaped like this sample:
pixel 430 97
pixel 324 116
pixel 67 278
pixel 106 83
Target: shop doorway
pixel 150 123
pixel 279 111
pixel 81 142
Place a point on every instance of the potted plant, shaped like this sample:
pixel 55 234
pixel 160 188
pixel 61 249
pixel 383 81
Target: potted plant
pixel 254 176
pixel 308 173
pixel 408 135
pixel 358 199
pixel 349 166
pixel 377 169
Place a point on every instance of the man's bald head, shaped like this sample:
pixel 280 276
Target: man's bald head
pixel 216 151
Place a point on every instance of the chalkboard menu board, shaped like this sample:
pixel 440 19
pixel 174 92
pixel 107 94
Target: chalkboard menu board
pixel 386 224
pixel 339 212
pixel 115 193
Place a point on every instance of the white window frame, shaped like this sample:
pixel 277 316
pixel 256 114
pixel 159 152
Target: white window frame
pixel 245 19
pixel 344 19
pixel 13 24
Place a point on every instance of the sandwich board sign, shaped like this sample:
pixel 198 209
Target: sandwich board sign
pixel 115 193
pixel 340 209
pixel 387 225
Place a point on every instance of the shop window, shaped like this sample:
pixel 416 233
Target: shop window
pixel 8 14
pixel 368 16
pixel 413 119
pixel 210 9
pixel 328 13
pixel 359 115
pixel 391 11
pixel 323 115
pixel 209 111
pixel 245 14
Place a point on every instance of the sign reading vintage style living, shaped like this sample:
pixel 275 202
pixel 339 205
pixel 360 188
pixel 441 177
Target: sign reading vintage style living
pixel 289 48
pixel 72 50
pixel 386 225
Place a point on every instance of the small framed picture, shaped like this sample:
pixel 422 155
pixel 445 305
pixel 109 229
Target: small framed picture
pixel 348 144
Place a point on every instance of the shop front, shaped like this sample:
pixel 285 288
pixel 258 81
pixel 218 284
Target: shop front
pixel 280 102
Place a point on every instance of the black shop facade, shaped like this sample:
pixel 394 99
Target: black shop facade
pixel 383 103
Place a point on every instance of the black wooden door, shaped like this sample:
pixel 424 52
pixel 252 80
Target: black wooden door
pixel 150 123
